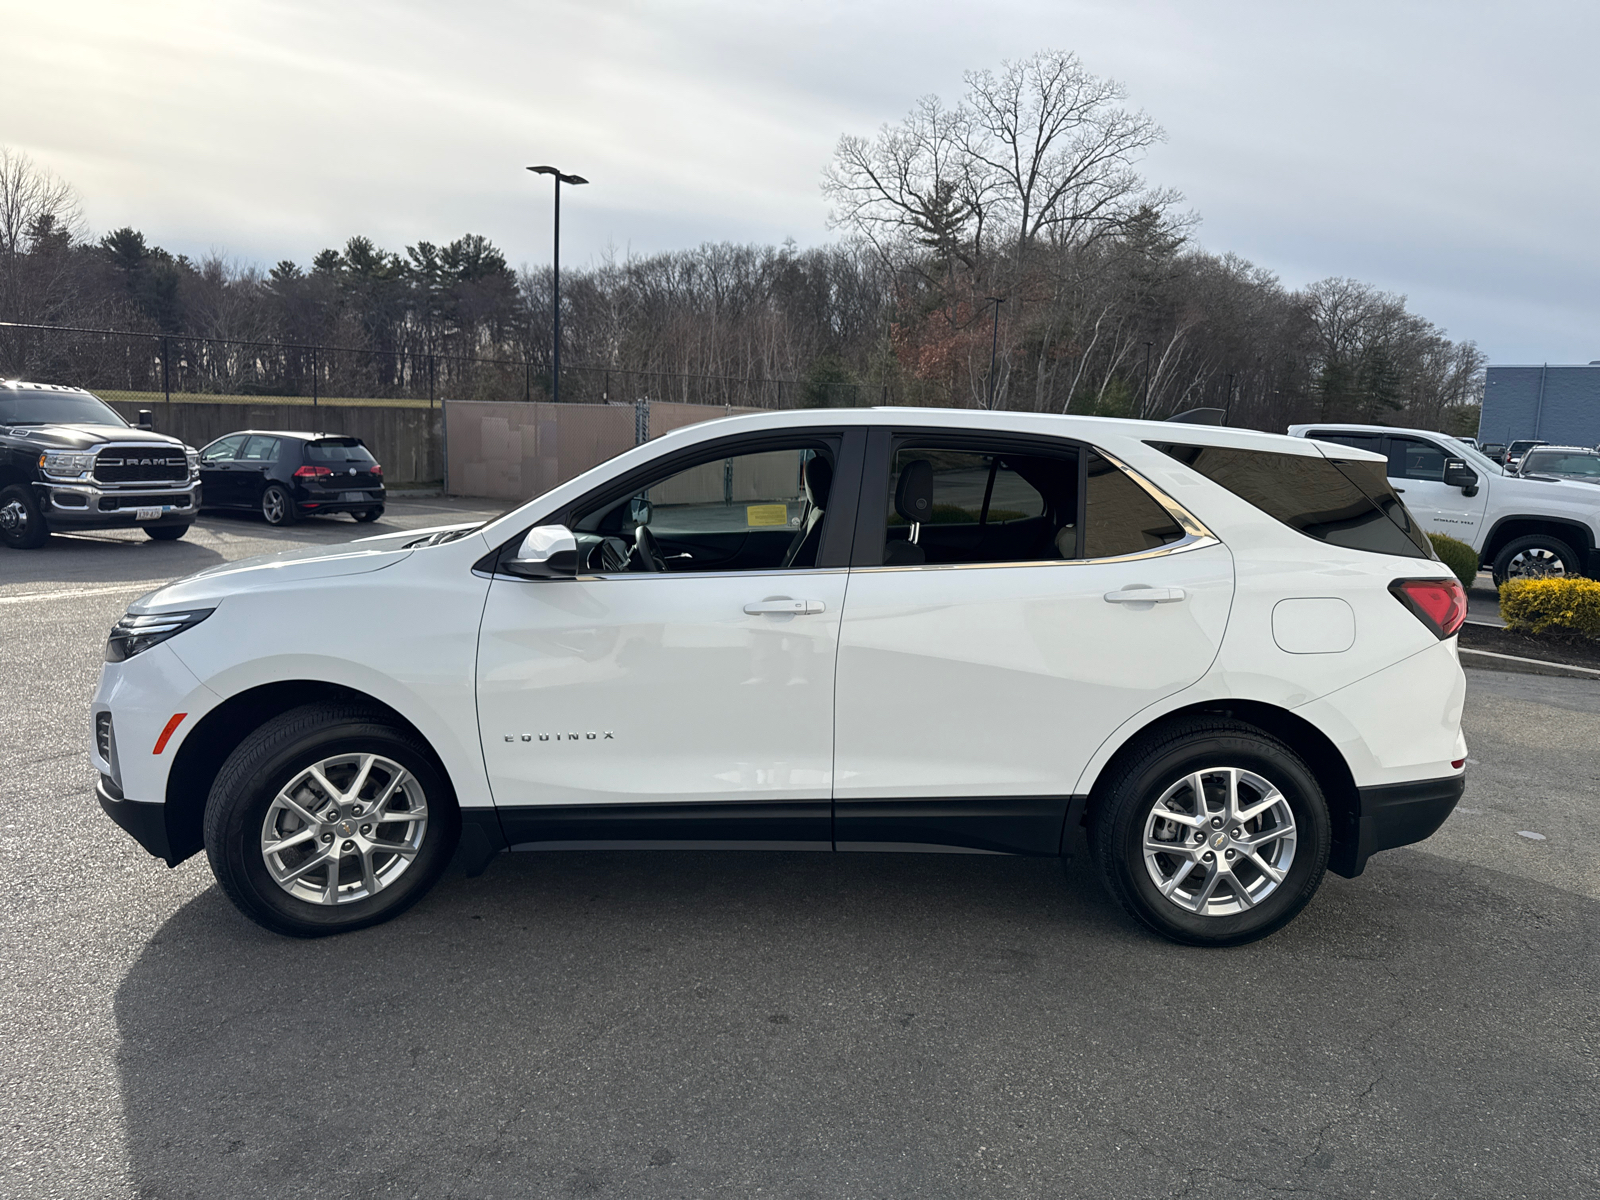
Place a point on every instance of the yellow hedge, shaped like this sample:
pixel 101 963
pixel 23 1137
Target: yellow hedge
pixel 1542 605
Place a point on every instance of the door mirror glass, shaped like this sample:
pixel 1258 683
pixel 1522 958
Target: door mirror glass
pixel 548 552
pixel 640 511
pixel 1458 474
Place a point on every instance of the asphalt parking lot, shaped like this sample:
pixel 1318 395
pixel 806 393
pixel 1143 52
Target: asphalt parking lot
pixel 787 1025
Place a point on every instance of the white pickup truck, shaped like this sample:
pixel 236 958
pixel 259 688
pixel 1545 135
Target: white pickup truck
pixel 1521 527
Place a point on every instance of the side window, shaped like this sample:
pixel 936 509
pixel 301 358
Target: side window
pixel 223 449
pixel 1356 441
pixel 952 505
pixel 260 449
pixel 1120 517
pixel 1410 458
pixel 760 511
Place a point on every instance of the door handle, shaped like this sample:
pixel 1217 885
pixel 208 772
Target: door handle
pixel 782 606
pixel 1145 595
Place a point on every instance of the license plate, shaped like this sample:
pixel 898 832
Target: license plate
pixel 356 496
pixel 147 514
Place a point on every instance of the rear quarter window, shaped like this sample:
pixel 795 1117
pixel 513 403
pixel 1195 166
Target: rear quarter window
pixel 1342 502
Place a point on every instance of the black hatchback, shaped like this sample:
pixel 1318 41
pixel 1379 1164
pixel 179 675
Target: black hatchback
pixel 286 476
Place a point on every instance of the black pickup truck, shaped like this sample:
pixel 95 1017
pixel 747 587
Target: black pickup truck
pixel 68 461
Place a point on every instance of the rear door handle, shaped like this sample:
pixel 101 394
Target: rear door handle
pixel 1145 595
pixel 782 606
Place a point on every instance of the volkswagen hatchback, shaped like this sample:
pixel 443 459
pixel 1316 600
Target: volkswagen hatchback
pixel 1228 657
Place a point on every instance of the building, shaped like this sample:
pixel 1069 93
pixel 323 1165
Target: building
pixel 1554 403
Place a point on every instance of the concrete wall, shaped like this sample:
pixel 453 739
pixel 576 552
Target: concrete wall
pixel 407 441
pixel 1559 404
pixel 515 451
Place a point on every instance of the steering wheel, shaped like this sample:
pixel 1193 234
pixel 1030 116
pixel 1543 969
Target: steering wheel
pixel 646 553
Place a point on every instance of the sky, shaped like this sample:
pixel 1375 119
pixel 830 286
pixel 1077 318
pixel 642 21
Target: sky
pixel 1446 151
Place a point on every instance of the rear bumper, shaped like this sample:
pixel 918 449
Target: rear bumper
pixel 307 500
pixel 146 823
pixel 1398 814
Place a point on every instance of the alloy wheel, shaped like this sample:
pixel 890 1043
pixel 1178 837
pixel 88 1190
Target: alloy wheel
pixel 272 505
pixel 14 517
pixel 1219 841
pixel 1536 563
pixel 344 829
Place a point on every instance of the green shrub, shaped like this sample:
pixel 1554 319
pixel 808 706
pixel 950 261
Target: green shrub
pixel 1551 605
pixel 1457 555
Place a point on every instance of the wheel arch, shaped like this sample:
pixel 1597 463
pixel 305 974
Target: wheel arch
pixel 1300 735
pixel 1575 533
pixel 208 745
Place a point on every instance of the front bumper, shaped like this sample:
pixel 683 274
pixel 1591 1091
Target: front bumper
pixel 101 506
pixel 1398 814
pixel 147 823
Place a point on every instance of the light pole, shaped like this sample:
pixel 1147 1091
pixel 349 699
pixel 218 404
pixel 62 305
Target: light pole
pixel 994 344
pixel 555 287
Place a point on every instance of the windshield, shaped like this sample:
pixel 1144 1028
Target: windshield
pixel 1476 457
pixel 1561 462
pixel 56 408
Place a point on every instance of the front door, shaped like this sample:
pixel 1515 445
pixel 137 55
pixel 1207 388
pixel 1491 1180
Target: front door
pixel 218 481
pixel 984 663
pixel 680 689
pixel 1416 469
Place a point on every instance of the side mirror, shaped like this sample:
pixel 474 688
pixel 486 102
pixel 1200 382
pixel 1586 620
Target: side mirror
pixel 548 552
pixel 147 419
pixel 1458 474
pixel 640 511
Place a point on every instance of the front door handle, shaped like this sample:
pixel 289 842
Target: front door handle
pixel 782 606
pixel 1145 595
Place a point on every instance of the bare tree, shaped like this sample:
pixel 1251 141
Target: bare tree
pixel 40 220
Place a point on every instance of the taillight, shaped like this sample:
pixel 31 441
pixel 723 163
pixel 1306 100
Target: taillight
pixel 376 468
pixel 312 472
pixel 1440 604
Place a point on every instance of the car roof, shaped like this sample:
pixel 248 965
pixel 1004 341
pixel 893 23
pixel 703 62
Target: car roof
pixel 299 434
pixel 1568 449
pixel 1344 427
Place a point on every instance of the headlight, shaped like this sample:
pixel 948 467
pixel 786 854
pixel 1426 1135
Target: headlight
pixel 69 463
pixel 136 634
pixel 194 462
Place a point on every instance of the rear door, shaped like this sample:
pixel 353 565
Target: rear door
pixel 256 465
pixel 979 672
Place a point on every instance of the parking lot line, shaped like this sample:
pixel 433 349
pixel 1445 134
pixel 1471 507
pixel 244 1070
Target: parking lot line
pixel 71 593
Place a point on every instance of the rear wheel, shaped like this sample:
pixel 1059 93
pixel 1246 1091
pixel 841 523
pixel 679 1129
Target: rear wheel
pixel 277 506
pixel 328 819
pixel 166 533
pixel 1538 556
pixel 371 514
pixel 1215 834
pixel 22 525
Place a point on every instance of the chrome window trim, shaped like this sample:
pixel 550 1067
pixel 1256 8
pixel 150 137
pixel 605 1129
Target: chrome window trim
pixel 766 573
pixel 1191 524
pixel 1182 545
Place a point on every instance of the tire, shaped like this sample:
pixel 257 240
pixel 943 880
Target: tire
pixel 1258 768
pixel 22 525
pixel 372 514
pixel 277 506
pixel 166 533
pixel 247 807
pixel 1538 556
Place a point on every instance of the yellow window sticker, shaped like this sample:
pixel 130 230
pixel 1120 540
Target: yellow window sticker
pixel 766 514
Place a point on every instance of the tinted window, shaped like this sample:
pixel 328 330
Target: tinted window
pixel 260 449
pixel 1120 517
pixel 987 507
pixel 1560 462
pixel 1356 441
pixel 1410 458
pixel 1342 502
pixel 337 450
pixel 55 408
pixel 222 449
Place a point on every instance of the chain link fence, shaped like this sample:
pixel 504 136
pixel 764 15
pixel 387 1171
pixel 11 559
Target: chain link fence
pixel 132 367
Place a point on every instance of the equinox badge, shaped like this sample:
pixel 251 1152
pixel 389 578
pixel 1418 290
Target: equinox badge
pixel 592 736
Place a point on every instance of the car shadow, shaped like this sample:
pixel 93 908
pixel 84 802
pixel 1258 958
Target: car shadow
pixel 110 559
pixel 680 1023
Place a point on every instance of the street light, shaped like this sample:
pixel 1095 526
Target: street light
pixel 555 357
pixel 994 343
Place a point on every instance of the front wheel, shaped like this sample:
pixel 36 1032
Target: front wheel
pixel 277 506
pixel 328 819
pixel 22 525
pixel 166 533
pixel 1538 556
pixel 1215 834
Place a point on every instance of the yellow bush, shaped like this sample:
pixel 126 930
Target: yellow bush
pixel 1457 555
pixel 1544 605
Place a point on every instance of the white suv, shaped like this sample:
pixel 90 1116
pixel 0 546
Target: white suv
pixel 1228 655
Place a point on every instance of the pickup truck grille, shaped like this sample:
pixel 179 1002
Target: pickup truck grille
pixel 141 466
